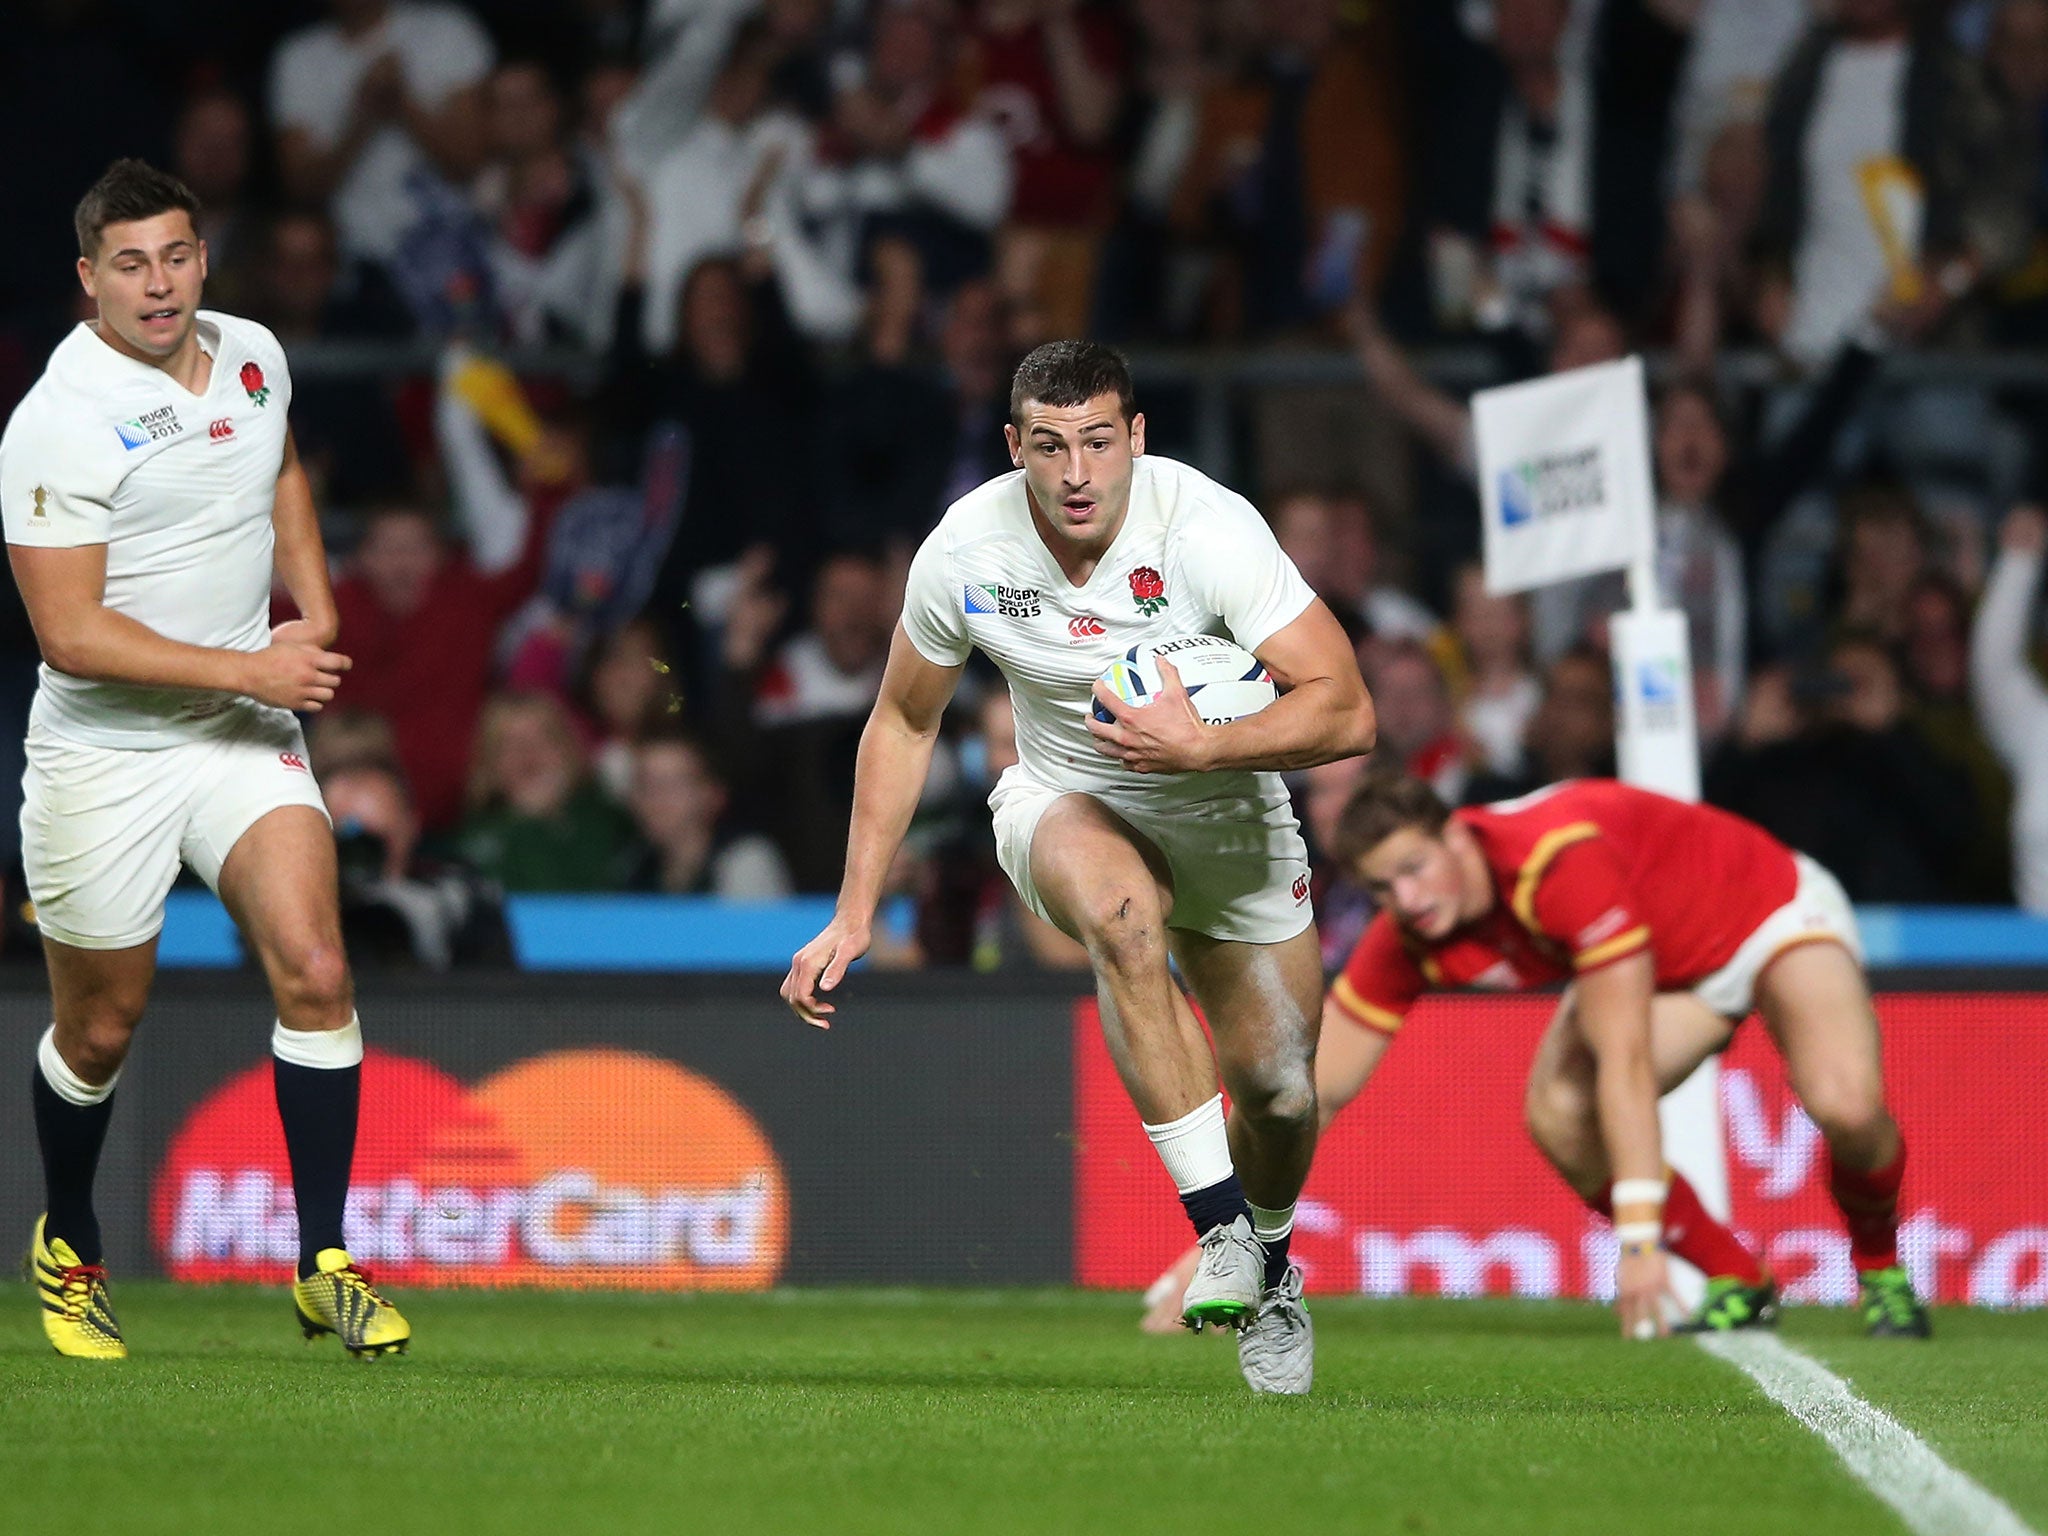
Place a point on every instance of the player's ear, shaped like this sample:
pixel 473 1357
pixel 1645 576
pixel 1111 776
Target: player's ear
pixel 1137 434
pixel 85 279
pixel 202 261
pixel 1010 437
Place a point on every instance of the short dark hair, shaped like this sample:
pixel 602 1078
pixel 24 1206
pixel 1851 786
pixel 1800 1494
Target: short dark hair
pixel 1381 806
pixel 130 189
pixel 1070 373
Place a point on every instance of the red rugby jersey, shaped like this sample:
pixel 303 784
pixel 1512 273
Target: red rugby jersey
pixel 1585 873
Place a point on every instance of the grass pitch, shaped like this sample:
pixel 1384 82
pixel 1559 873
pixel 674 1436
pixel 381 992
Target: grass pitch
pixel 865 1411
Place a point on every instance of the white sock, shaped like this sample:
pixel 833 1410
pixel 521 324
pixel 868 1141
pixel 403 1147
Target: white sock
pixel 1270 1226
pixel 330 1048
pixel 68 1085
pixel 1194 1148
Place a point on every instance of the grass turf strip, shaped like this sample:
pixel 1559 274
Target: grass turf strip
pixel 965 1412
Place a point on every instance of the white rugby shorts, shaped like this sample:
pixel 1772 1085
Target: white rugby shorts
pixel 103 829
pixel 1819 911
pixel 1238 864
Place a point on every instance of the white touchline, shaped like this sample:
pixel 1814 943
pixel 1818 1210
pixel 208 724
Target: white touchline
pixel 1932 1497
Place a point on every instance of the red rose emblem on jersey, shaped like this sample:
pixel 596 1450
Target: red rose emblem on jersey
pixel 1148 590
pixel 252 382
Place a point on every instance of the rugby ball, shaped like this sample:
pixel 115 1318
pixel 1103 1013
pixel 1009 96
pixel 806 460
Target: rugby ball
pixel 1224 680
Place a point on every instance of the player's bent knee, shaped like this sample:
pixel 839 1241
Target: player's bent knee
pixel 1124 930
pixel 1287 1102
pixel 96 1046
pixel 1560 1118
pixel 313 979
pixel 1848 1109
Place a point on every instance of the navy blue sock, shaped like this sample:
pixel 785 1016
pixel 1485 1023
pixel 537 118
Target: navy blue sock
pixel 70 1136
pixel 1276 1258
pixel 318 1108
pixel 1215 1205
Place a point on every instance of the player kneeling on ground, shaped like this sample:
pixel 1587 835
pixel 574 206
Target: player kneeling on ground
pixel 150 491
pixel 1671 922
pixel 1147 833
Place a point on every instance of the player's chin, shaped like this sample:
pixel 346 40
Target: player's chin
pixel 160 330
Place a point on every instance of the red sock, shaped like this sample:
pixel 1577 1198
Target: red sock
pixel 1869 1203
pixel 1695 1236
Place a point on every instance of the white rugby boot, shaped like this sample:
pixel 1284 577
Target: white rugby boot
pixel 1228 1278
pixel 1277 1350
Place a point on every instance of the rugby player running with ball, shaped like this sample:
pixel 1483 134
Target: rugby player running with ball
pixel 1150 836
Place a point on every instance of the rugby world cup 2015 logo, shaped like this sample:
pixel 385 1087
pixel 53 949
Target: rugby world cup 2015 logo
pixel 1550 485
pixel 588 1167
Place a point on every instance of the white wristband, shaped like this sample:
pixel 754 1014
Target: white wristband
pixel 1639 1232
pixel 1636 1192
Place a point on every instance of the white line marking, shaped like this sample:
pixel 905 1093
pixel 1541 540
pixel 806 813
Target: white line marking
pixel 1932 1497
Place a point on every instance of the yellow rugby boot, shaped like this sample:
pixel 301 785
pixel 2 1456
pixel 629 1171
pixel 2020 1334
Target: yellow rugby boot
pixel 339 1299
pixel 78 1317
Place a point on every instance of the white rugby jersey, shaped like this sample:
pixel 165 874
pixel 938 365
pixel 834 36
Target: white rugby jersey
pixel 1191 558
pixel 179 487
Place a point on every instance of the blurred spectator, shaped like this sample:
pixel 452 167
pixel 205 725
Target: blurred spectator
pixel 1884 552
pixel 399 908
pixel 380 117
pixel 678 806
pixel 1343 906
pixel 728 190
pixel 1583 333
pixel 1894 171
pixel 1827 763
pixel 1501 692
pixel 305 291
pixel 1332 543
pixel 1292 167
pixel 1570 735
pixel 1699 564
pixel 535 819
pixel 1051 74
pixel 628 694
pixel 1418 727
pixel 743 395
pixel 341 737
pixel 422 624
pixel 210 154
pixel 788 719
pixel 1550 156
pixel 916 179
pixel 905 442
pixel 346 426
pixel 1936 656
pixel 834 667
pixel 1738 47
pixel 541 196
pixel 2012 701
pixel 2018 60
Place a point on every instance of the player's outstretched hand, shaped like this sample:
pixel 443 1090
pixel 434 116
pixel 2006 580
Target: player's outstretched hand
pixel 819 966
pixel 1164 736
pixel 1641 1282
pixel 295 675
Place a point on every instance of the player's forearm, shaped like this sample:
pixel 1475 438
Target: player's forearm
pixel 888 778
pixel 1625 1096
pixel 301 555
pixel 103 646
pixel 1321 720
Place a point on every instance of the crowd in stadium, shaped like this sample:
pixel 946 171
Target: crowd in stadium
pixel 765 266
